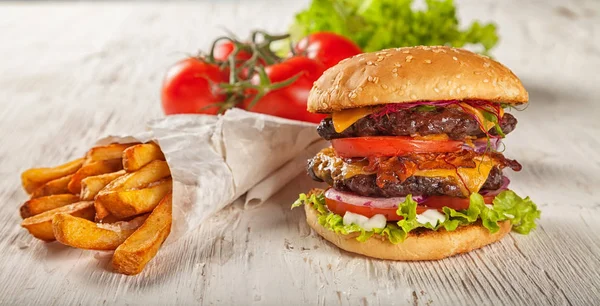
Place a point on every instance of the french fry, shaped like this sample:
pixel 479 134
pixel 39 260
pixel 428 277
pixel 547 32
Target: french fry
pixel 111 151
pixel 40 226
pixel 56 186
pixel 91 185
pixel 36 177
pixel 135 157
pixel 39 205
pixel 92 169
pixel 83 234
pixel 152 172
pixel 101 211
pixel 132 256
pixel 123 204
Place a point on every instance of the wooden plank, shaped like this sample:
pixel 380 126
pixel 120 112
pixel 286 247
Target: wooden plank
pixel 73 73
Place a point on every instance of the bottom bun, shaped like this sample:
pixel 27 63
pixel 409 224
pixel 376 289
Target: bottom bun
pixel 425 245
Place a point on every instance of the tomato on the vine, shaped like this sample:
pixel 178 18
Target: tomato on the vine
pixel 191 86
pixel 290 101
pixel 224 49
pixel 327 47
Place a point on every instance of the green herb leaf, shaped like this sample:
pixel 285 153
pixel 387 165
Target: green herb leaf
pixel 425 108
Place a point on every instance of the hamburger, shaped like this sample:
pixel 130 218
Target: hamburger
pixel 415 170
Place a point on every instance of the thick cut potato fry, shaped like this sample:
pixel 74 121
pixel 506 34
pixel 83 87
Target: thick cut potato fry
pixel 83 234
pixel 111 151
pixel 57 186
pixel 92 169
pixel 135 157
pixel 91 185
pixel 152 172
pixel 123 204
pixel 101 211
pixel 36 177
pixel 39 205
pixel 132 256
pixel 40 226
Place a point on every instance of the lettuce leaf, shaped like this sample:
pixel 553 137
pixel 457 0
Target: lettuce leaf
pixel 522 214
pixel 381 24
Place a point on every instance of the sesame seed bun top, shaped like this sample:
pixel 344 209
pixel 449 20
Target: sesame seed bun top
pixel 412 74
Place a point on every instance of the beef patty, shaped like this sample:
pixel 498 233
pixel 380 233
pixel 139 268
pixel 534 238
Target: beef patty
pixel 443 120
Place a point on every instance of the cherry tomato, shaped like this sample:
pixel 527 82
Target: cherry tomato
pixel 223 50
pixel 290 101
pixel 190 86
pixel 391 146
pixel 341 208
pixel 328 48
pixel 453 202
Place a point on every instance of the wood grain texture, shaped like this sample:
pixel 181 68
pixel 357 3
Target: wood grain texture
pixel 73 72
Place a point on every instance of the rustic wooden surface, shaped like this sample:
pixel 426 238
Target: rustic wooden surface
pixel 72 72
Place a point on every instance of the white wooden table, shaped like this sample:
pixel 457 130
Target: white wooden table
pixel 72 72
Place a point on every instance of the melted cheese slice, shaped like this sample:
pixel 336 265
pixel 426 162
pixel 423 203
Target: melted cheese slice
pixel 345 118
pixel 469 179
pixel 486 123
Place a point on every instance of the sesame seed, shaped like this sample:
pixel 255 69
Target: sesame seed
pixel 436 89
pixel 455 50
pixel 370 78
pixel 361 59
pixel 395 70
pixel 406 52
pixel 458 90
pixel 359 89
pixel 370 63
pixel 384 86
pixel 409 58
pixel 403 87
pixel 486 80
pixel 458 76
pixel 375 80
pixel 428 61
pixel 413 96
pixel 451 91
pixel 352 95
pixel 376 99
pixel 449 82
pixel 395 75
pixel 388 55
pixel 380 58
pixel 486 64
pixel 425 48
pixel 455 58
pixel 477 72
pixel 398 65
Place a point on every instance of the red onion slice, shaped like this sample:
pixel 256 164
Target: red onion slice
pixel 353 199
pixel 481 145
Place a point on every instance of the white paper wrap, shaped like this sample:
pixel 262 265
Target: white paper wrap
pixel 215 160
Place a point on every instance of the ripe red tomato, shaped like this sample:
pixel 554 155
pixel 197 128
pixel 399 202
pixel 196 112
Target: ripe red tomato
pixel 224 49
pixel 190 86
pixel 340 208
pixel 289 102
pixel 328 48
pixel 391 146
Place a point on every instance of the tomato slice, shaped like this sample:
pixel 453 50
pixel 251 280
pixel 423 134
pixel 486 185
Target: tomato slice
pixel 391 146
pixel 453 202
pixel 341 208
